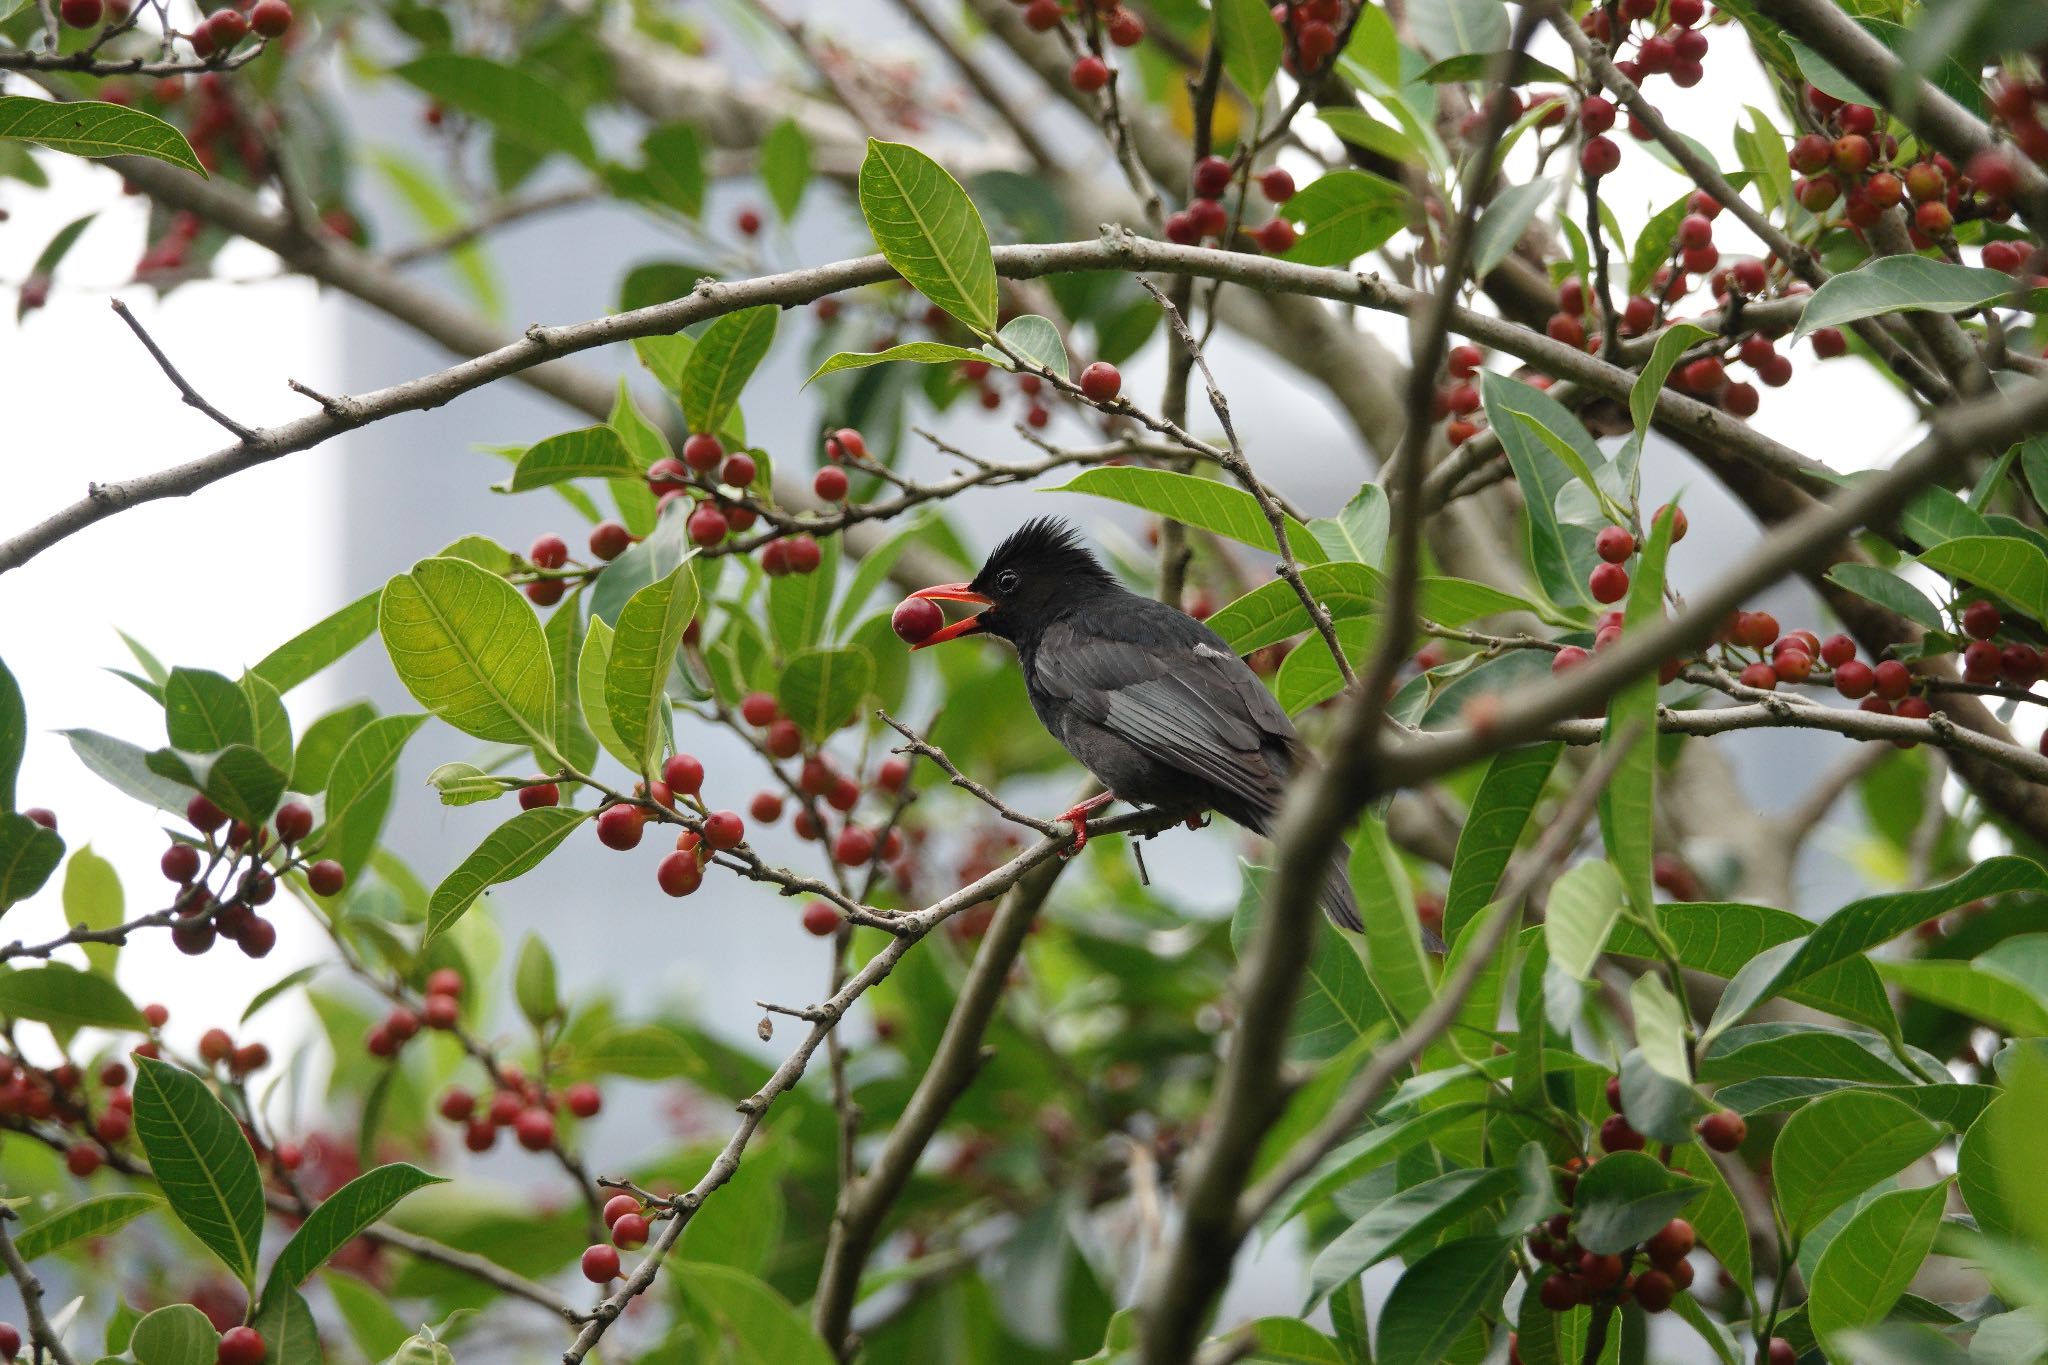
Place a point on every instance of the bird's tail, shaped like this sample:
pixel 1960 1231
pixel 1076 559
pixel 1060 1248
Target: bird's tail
pixel 1342 907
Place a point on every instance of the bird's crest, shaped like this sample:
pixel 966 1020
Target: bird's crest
pixel 1046 547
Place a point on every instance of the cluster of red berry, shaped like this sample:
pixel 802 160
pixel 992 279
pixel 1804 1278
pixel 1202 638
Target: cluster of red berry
pixel 627 1219
pixel 1205 217
pixel 247 864
pixel 519 1103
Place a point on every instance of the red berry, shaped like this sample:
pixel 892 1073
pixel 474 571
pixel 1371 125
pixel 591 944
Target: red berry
pixel 830 484
pixel 113 1126
pixel 1723 1130
pixel 804 555
pixel 1749 276
pixel 82 1159
pixel 895 770
pixel 549 552
pixel 1741 399
pixel 538 795
pixel 180 863
pixel 1761 676
pixel 1608 582
pixel 630 1231
pixel 1275 238
pixel 739 471
pixel 82 14
pixel 1933 219
pixel 1101 383
pixel 724 829
pixel 765 808
pixel 1277 185
pixel 618 1206
pixel 203 815
pixel 535 1129
pixel 326 877
pixel 1980 661
pixel 1599 156
pixel 1596 114
pixel 702 452
pixel 271 18
pixel 1854 679
pixel 601 1264
pixel 1565 328
pixel 916 619
pixel 1571 656
pixel 678 874
pixel 294 821
pixel 582 1100
pixel 1637 315
pixel 821 918
pixel 1837 650
pixel 1671 1243
pixel 1211 177
pixel 1614 544
pixel 1617 1136
pixel 241 1346
pixel 1982 618
pixel 1695 230
pixel 707 525
pixel 855 847
pixel 784 739
pixel 225 28
pixel 155 1015
pixel 1995 172
pixel 620 826
pixel 1782 1352
pixel 1089 74
pixel 1126 29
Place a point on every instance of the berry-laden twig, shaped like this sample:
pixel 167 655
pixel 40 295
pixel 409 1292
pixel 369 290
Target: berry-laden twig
pixel 916 743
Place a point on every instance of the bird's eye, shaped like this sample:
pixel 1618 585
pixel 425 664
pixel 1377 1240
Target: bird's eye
pixel 1006 581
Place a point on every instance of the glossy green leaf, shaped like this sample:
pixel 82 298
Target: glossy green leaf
pixel 672 161
pixel 13 736
pixel 652 560
pixel 1984 996
pixel 92 897
pixel 1890 591
pixel 646 1052
pixel 273 724
pixel 1412 1218
pixel 1673 342
pixel 242 782
pixel 518 103
pixel 1869 1263
pixel 930 231
pixel 285 1321
pixel 724 359
pixel 1837 1147
pixel 1560 553
pixel 92 128
pixel 1624 1197
pixel 1273 611
pixel 1722 938
pixel 1437 1297
pixel 587 453
pixel 204 712
pixel 511 850
pixel 591 668
pixel 1585 904
pixel 1628 803
pixel 918 352
pixel 1501 226
pixel 643 650
pixel 65 997
pixel 125 766
pixel 1251 43
pixel 1338 1003
pixel 359 789
pixel 95 1217
pixel 1492 827
pixel 564 635
pixel 340 1218
pixel 176 1334
pixel 821 689
pixel 785 166
pixel 799 604
pixel 2013 569
pixel 1456 27
pixel 469 648
pixel 1201 503
pixel 1037 340
pixel 1898 284
pixel 533 983
pixel 744 1319
pixel 202 1161
pixel 1393 936
pixel 1343 215
pixel 323 643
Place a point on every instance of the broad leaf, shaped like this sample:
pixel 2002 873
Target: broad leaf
pixel 205 712
pixel 785 166
pixel 1436 1299
pixel 29 853
pixel 724 359
pixel 1585 904
pixel 1839 1146
pixel 339 1218
pixel 1897 284
pixel 91 128
pixel 1869 1263
pixel 587 453
pixel 519 104
pixel 202 1161
pixel 1251 43
pixel 1414 1217
pixel 92 897
pixel 125 766
pixel 511 850
pixel 176 1334
pixel 65 997
pixel 1037 340
pixel 1201 503
pixel 1624 1197
pixel 319 645
pixel 469 649
pixel 1627 804
pixel 930 232
pixel 643 650
pixel 821 689
pixel 1493 825
pixel 1343 215
pixel 2007 566
pixel 1890 591
pixel 95 1217
pixel 359 789
pixel 591 667
pixel 919 352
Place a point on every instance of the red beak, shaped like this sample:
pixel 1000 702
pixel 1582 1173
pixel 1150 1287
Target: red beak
pixel 952 592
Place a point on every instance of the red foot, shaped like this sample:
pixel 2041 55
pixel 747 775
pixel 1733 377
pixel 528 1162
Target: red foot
pixel 1078 815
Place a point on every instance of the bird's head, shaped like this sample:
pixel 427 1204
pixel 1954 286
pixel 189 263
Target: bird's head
pixel 1029 579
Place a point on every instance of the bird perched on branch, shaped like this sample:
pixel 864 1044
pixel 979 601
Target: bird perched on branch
pixel 1150 700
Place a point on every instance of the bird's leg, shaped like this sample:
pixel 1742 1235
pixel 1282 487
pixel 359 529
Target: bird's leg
pixel 1199 820
pixel 1077 816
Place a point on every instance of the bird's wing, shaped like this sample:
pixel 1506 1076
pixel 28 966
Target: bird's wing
pixel 1174 689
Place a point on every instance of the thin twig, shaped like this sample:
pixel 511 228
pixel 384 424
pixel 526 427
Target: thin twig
pixel 191 395
pixel 42 1336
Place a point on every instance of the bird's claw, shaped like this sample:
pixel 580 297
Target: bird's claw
pixel 1199 820
pixel 1077 816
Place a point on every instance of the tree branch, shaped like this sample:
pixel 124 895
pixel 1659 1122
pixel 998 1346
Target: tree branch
pixel 42 1337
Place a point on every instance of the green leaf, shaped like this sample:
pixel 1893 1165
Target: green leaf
pixel 1721 938
pixel 1585 904
pixel 724 359
pixel 1201 503
pixel 469 649
pixel 564 635
pixel 1338 1003
pixel 423 1348
pixel 1437 1298
pixel 785 166
pixel 94 1217
pixel 646 1052
pixel 1864 924
pixel 511 850
pixel 90 128
pixel 1984 996
pixel 177 1334
pixel 284 985
pixel 1359 532
pixel 65 997
pixel 359 789
pixel 587 453
pixel 918 352
pixel 1869 1263
pixel 1660 1028
pixel 202 1161
pixel 1561 554
pixel 519 104
pixel 1890 591
pixel 291 1336
pixel 533 983
pixel 1251 43
pixel 439 214
pixel 319 645
pixel 1343 215
pixel 13 736
pixel 591 667
pixel 1505 220
pixel 929 231
pixel 1037 340
pixel 1479 66
pixel 205 712
pixel 242 782
pixel 1393 935
pixel 92 897
pixel 1361 129
pixel 373 1325
pixel 1456 27
pixel 821 689
pixel 799 604
pixel 273 737
pixel 672 159
pixel 1839 1146
pixel 1898 284
pixel 2013 569
pixel 643 651
pixel 339 1218
pixel 126 767
pixel 1653 245
pixel 52 254
pixel 1493 826
pixel 1414 1217
pixel 1624 1197
pixel 744 1319
pixel 652 560
pixel 1672 343
pixel 1628 803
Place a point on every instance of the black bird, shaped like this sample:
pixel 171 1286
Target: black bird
pixel 1149 699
